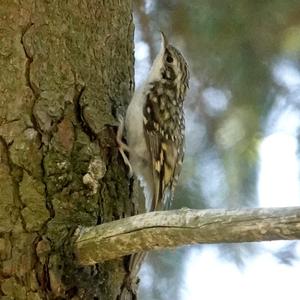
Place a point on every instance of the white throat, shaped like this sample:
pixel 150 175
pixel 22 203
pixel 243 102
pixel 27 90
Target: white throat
pixel 155 71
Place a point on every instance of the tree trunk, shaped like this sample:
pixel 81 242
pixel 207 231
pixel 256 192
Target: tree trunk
pixel 66 72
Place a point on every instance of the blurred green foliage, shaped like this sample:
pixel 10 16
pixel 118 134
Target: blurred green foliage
pixel 232 47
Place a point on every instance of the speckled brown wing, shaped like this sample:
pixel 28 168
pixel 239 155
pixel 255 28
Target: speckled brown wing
pixel 163 128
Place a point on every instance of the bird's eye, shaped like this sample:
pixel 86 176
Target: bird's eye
pixel 169 59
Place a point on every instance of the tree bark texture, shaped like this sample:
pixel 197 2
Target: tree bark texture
pixel 66 71
pixel 183 227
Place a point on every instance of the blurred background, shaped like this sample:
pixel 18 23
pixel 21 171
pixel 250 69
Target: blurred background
pixel 242 139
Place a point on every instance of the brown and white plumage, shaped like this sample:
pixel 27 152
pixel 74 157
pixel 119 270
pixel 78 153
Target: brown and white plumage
pixel 155 134
pixel 155 126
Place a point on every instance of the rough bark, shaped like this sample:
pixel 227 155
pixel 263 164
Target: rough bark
pixel 183 227
pixel 66 71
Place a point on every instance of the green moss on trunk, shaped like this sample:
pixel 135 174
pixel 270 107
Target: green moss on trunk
pixel 66 70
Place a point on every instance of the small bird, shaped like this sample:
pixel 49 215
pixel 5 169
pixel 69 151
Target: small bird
pixel 155 135
pixel 155 127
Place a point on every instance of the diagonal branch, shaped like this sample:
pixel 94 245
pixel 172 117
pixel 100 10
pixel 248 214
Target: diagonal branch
pixel 169 229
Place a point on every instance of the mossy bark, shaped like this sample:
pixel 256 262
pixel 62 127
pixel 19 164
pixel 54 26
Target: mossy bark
pixel 66 72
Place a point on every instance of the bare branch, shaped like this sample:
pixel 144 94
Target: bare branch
pixel 169 229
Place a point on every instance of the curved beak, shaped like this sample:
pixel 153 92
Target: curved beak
pixel 164 41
